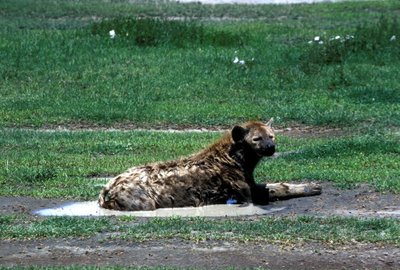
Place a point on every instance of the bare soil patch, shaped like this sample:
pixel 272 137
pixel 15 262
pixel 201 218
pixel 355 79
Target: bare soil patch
pixel 204 255
pixel 293 131
pixel 100 250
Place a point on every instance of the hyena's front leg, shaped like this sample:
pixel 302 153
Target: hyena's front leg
pixel 260 194
pixel 284 191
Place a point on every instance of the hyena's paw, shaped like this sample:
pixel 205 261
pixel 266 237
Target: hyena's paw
pixel 281 191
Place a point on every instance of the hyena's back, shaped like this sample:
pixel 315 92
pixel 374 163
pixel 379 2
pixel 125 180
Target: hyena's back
pixel 126 191
pixel 173 184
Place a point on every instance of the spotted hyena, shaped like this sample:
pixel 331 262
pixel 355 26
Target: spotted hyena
pixel 222 171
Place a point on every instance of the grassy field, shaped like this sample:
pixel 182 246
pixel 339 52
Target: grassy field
pixel 60 66
pixel 58 164
pixel 322 65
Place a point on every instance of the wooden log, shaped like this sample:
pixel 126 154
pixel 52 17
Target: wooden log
pixel 284 191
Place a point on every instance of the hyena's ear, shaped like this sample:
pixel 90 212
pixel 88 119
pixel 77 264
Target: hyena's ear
pixel 269 123
pixel 238 133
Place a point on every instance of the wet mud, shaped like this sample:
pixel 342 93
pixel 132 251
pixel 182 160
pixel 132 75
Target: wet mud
pixel 204 255
pixel 361 201
pixel 220 210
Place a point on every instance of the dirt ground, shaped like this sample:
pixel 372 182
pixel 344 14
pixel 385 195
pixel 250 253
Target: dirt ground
pixel 206 255
pixel 101 251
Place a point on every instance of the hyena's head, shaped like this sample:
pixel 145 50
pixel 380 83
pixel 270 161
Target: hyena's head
pixel 258 136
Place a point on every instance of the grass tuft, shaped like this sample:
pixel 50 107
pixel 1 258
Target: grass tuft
pixel 16 228
pixel 338 230
pixel 369 40
pixel 37 174
pixel 376 37
pixel 149 32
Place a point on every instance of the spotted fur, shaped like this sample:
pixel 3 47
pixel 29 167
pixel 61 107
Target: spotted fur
pixel 222 171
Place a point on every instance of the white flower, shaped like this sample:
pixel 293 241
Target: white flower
pixel 238 61
pixel 321 42
pixel 316 38
pixel 310 42
pixel 112 34
pixel 393 38
pixel 337 37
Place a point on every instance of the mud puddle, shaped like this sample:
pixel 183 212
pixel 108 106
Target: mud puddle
pixel 362 201
pixel 221 210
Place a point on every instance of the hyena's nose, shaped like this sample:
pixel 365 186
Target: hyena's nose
pixel 269 149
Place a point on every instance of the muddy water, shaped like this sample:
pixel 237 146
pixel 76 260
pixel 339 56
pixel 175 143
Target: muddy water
pixel 362 201
pixel 222 210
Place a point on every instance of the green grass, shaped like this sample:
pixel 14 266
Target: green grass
pixel 147 32
pixel 339 230
pixel 63 68
pixel 348 161
pixel 13 227
pixel 60 67
pixel 336 230
pixel 58 164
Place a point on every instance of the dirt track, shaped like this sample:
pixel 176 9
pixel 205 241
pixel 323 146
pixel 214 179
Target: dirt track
pixel 206 255
pixel 101 251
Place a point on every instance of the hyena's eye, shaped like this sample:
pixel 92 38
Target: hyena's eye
pixel 256 139
pixel 271 137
